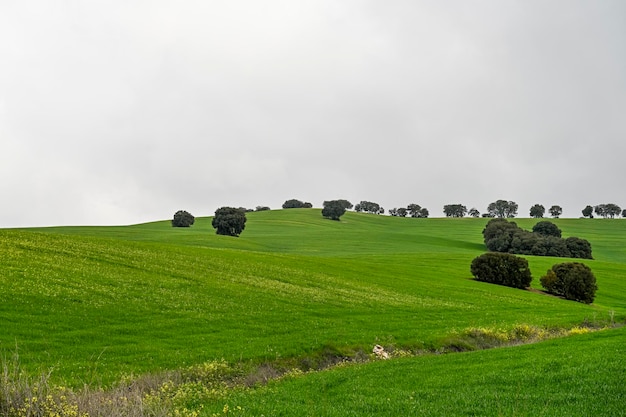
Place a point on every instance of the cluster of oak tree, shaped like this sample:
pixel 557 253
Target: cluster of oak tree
pixel 545 239
pixel 570 280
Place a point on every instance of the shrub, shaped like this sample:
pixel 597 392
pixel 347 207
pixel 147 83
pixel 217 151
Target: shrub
pixel 502 269
pixel 578 248
pixel 571 280
pixel 183 219
pixel 550 282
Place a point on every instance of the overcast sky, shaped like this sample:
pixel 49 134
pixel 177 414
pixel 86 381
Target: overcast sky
pixel 122 112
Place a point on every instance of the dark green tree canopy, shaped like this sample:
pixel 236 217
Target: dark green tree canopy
pixel 607 210
pixel 588 212
pixel 503 269
pixel 345 204
pixel 454 210
pixel 402 212
pixel 571 280
pixel 537 211
pixel 334 209
pixel 502 208
pixel 556 211
pixel 229 221
pixel 369 207
pixel 474 212
pixel 547 228
pixel 578 248
pixel 415 210
pixel 499 234
pixel 505 236
pixel 294 203
pixel 183 218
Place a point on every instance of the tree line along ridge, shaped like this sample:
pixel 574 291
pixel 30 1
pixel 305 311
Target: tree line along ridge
pixel 231 220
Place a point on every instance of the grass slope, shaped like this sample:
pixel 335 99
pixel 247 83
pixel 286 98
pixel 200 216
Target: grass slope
pixel 576 376
pixel 97 303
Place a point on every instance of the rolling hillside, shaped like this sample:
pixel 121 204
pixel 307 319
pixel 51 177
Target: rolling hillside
pixel 100 303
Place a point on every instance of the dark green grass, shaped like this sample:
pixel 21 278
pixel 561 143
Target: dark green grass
pixel 581 375
pixel 97 303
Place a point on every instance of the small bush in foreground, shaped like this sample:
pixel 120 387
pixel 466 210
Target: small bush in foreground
pixel 502 269
pixel 571 280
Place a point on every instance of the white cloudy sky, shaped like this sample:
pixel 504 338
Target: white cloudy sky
pixel 121 112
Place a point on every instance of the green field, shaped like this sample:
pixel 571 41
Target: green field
pixel 97 304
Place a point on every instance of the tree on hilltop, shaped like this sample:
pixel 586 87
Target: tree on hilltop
pixel 369 207
pixel 607 210
pixel 229 221
pixel 423 213
pixel 294 203
pixel 454 210
pixel 502 209
pixel 537 211
pixel 415 210
pixel 334 209
pixel 183 218
pixel 588 212
pixel 556 211
pixel 345 204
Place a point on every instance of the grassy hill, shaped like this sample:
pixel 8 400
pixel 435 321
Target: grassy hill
pixel 100 303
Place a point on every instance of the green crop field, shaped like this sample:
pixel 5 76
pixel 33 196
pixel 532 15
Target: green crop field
pixel 97 305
